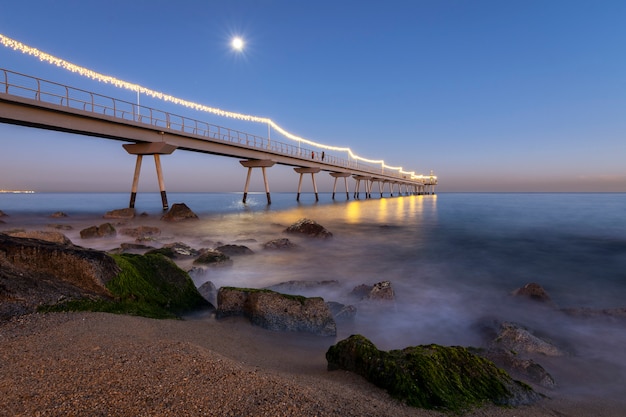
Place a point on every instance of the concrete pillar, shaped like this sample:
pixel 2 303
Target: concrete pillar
pixel 305 170
pixel 357 189
pixel 151 148
pixel 257 163
pixel 343 175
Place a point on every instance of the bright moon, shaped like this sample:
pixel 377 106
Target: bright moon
pixel 237 44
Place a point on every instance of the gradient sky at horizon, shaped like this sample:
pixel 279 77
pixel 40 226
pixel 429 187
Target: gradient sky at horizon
pixel 519 95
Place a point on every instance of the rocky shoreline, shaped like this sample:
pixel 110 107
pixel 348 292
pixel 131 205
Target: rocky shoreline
pixel 27 284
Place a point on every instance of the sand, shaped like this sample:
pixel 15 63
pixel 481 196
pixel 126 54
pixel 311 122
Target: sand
pixel 99 364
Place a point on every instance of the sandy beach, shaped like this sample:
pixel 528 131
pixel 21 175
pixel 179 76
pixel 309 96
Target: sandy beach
pixel 97 364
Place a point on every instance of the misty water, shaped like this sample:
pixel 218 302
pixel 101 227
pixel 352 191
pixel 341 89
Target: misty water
pixel 452 259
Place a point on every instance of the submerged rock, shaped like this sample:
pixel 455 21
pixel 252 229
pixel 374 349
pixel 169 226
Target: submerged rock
pixel 309 228
pixel 125 213
pixel 533 291
pixel 276 311
pixel 176 250
pixel 58 214
pixel 179 212
pixel 430 376
pixel 212 257
pixel 382 291
pixel 520 340
pixel 103 230
pixel 279 244
pixel 234 250
pixel 141 232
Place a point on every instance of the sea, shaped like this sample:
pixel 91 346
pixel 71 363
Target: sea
pixel 453 260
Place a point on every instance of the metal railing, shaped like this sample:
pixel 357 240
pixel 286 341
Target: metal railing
pixel 50 92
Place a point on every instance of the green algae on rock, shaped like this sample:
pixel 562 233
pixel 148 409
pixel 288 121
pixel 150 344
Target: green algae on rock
pixel 430 376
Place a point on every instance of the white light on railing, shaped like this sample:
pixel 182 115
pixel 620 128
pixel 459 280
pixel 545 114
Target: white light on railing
pixel 44 57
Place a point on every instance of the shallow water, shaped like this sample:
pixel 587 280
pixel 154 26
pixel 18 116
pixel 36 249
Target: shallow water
pixel 453 260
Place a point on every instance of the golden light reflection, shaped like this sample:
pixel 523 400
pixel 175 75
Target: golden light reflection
pixel 353 211
pixel 383 210
pixel 107 79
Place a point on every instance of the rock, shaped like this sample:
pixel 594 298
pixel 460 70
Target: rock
pixel 525 369
pixel 276 311
pixel 131 247
pixel 341 312
pixel 58 214
pixel 141 232
pixel 125 213
pixel 519 340
pixel 209 291
pixel 430 376
pixel 280 244
pixel 382 291
pixel 309 228
pixel 533 291
pixel 103 230
pixel 3 214
pixel 234 250
pixel 176 250
pixel 54 237
pixel 35 272
pixel 60 226
pixel 212 257
pixel 179 212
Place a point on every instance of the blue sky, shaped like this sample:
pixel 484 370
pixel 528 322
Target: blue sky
pixel 516 95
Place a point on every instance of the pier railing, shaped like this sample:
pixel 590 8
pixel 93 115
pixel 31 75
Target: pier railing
pixel 50 92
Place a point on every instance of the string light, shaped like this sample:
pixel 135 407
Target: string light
pixel 85 72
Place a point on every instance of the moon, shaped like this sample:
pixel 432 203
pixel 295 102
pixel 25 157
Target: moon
pixel 237 43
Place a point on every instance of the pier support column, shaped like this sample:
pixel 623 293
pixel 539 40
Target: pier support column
pixel 156 149
pixel 312 171
pixel 357 188
pixel 257 163
pixel 343 175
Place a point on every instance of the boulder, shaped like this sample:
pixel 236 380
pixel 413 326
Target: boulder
pixel 35 272
pixel 533 291
pixel 341 312
pixel 54 237
pixel 518 339
pixel 179 212
pixel 208 290
pixel 176 250
pixel 309 228
pixel 279 244
pixel 58 214
pixel 430 376
pixel 103 230
pixel 524 369
pixel 381 291
pixel 234 250
pixel 124 214
pixel 276 311
pixel 212 257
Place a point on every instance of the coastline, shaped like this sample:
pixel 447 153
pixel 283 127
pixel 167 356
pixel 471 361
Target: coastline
pixel 102 364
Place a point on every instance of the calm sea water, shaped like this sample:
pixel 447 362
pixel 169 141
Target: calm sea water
pixel 453 259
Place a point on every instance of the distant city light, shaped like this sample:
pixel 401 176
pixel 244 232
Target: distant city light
pixel 85 72
pixel 237 44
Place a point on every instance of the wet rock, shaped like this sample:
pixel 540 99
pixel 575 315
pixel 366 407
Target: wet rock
pixel 60 226
pixel 104 230
pixel 212 257
pixel 131 248
pixel 280 244
pixel 524 369
pixel 54 237
pixel 209 291
pixel 179 212
pixel 234 250
pixel 341 312
pixel 58 214
pixel 35 272
pixel 430 376
pixel 276 311
pixel 176 250
pixel 309 228
pixel 141 232
pixel 125 213
pixel 533 291
pixel 381 291
pixel 519 340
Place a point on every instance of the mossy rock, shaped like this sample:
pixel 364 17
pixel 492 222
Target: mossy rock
pixel 148 285
pixel 430 376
